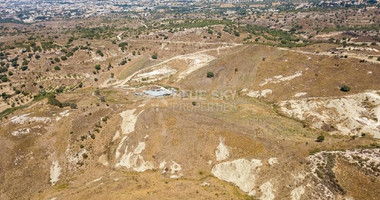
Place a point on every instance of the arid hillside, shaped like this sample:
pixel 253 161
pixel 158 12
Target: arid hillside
pixel 134 109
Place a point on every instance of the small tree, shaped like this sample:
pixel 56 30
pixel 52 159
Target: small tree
pixel 154 56
pixel 24 68
pixel 320 138
pixel 97 67
pixel 345 88
pixel 100 53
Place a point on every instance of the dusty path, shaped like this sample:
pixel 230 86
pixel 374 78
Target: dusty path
pixel 122 83
pixel 118 36
pixel 183 42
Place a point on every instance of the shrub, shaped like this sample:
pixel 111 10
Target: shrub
pixel 84 155
pixel 63 58
pixel 4 95
pixel 320 138
pixel 4 78
pixel 73 106
pixel 100 53
pixel 53 101
pixel 345 88
pixel 3 69
pixel 24 68
pixel 57 68
pixel 97 67
pixel 154 56
pixel 123 62
pixel 210 74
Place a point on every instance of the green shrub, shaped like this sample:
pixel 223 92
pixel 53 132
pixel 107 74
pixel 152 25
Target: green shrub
pixel 123 62
pixel 97 67
pixel 154 56
pixel 345 88
pixel 100 53
pixel 24 68
pixel 53 101
pixel 210 74
pixel 320 138
pixel 4 78
pixel 57 68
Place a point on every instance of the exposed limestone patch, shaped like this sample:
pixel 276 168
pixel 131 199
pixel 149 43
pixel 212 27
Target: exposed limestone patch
pixel 25 118
pixel 221 151
pixel 103 160
pixel 280 78
pixel 300 94
pixel 297 193
pixel 155 75
pixel 175 170
pixel 129 121
pixel 241 172
pixel 259 93
pixel 133 160
pixel 118 149
pixel 267 191
pixel 116 136
pixel 55 172
pixel 197 61
pixel 349 115
pixel 21 132
pixel 272 161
